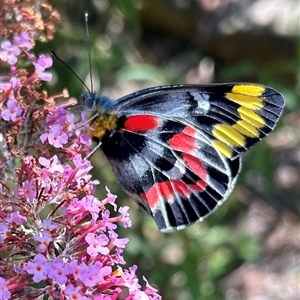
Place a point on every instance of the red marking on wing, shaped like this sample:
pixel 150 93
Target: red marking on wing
pixel 189 131
pixel 182 141
pixel 165 190
pixel 141 123
pixel 199 186
pixel 196 166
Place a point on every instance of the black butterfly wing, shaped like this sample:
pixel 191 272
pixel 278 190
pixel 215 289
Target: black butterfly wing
pixel 235 115
pixel 176 149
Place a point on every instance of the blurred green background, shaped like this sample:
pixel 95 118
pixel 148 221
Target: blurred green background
pixel 249 248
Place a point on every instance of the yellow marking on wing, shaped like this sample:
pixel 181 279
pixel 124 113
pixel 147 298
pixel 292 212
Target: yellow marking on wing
pixel 246 129
pixel 228 135
pixel 250 102
pixel 225 150
pixel 247 125
pixel 251 117
pixel 248 89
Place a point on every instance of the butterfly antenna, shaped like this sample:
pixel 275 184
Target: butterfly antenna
pixel 86 15
pixel 54 54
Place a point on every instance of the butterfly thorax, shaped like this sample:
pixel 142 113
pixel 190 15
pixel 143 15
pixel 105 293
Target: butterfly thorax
pixel 103 119
pixel 102 125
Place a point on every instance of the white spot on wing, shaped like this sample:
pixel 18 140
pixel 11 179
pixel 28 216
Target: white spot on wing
pixel 203 101
pixel 140 165
pixel 181 167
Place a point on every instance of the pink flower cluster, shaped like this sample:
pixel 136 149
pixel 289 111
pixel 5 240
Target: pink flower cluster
pixel 53 231
pixel 10 52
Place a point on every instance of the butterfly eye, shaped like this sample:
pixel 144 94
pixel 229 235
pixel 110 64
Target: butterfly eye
pixel 89 100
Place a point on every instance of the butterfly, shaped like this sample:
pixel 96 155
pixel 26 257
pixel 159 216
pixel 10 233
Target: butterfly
pixel 177 149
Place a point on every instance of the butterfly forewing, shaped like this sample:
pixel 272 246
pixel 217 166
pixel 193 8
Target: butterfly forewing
pixel 176 149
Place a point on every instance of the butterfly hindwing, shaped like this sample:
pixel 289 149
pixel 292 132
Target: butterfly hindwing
pixel 176 176
pixel 176 149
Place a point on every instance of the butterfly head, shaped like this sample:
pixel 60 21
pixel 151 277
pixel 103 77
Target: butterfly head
pixel 102 120
pixel 94 101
